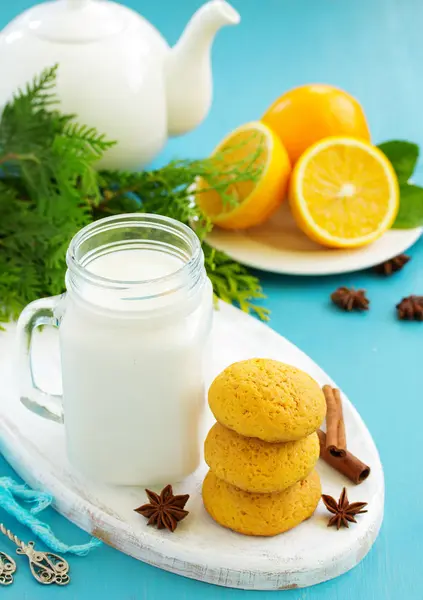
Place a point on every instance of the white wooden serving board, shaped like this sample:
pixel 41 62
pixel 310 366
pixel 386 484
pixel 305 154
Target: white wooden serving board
pixel 199 549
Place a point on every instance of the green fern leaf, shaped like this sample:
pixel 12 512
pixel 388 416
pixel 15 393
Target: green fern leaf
pixel 50 189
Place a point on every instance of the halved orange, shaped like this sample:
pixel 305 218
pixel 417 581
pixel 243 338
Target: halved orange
pixel 252 148
pixel 344 192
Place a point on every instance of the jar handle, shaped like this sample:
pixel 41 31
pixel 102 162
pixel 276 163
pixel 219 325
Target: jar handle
pixel 36 314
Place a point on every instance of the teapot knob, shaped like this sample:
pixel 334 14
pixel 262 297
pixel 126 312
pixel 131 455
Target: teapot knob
pixel 77 4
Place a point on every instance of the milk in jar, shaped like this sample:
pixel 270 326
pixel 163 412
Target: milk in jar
pixel 133 333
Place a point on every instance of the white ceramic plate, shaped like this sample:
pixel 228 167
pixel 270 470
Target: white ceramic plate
pixel 200 548
pixel 279 246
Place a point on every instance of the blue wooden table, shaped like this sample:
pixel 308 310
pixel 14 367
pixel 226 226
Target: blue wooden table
pixel 374 49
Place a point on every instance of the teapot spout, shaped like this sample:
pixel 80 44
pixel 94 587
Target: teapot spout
pixel 188 67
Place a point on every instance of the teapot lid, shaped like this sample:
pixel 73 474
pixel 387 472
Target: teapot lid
pixel 75 21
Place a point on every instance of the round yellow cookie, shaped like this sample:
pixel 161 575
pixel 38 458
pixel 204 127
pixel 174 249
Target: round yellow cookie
pixel 257 466
pixel 260 514
pixel 267 399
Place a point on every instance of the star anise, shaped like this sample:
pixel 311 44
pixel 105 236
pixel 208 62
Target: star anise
pixel 164 510
pixel 350 299
pixel 410 308
pixel 392 266
pixel 343 512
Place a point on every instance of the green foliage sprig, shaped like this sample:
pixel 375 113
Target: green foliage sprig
pixel 403 156
pixel 50 188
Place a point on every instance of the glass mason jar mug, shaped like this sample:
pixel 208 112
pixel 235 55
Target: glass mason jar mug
pixel 133 327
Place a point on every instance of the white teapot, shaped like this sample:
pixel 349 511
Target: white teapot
pixel 116 72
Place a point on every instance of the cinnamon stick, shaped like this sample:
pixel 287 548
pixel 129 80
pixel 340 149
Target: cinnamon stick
pixel 336 441
pixel 350 465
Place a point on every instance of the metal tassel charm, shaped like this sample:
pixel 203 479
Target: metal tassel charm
pixel 7 568
pixel 46 567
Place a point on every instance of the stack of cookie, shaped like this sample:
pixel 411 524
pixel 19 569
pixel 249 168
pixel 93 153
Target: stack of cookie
pixel 264 447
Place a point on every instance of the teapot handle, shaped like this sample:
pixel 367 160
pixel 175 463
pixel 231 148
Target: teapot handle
pixel 37 314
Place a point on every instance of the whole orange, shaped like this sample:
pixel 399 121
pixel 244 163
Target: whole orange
pixel 307 114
